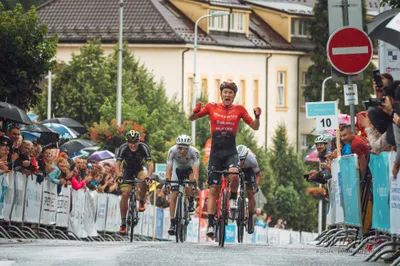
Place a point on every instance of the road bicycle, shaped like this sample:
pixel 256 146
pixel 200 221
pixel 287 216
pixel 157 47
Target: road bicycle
pixel 223 209
pixel 241 207
pixel 181 216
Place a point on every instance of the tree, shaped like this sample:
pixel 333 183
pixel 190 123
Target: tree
pixel 26 4
pixel 25 55
pixel 321 68
pixel 289 200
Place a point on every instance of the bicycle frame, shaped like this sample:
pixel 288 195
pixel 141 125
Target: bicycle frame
pixel 225 183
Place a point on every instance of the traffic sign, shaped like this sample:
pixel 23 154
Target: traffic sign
pixel 350 94
pixel 335 14
pixel 349 50
pixel 325 114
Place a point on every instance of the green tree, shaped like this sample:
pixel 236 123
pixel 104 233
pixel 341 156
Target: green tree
pixel 26 4
pixel 289 200
pixel 25 55
pixel 321 67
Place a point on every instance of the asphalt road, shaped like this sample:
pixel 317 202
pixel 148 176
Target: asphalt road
pixel 55 252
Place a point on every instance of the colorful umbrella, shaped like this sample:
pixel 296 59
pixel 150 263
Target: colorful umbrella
pixel 101 155
pixel 64 131
pixel 69 122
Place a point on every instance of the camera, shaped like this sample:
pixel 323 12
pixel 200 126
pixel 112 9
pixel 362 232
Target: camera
pixel 373 102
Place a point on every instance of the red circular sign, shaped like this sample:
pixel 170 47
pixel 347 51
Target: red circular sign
pixel 349 50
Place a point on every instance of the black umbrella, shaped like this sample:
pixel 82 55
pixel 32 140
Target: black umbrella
pixel 36 127
pixel 377 28
pixel 47 138
pixel 12 113
pixel 69 122
pixel 77 145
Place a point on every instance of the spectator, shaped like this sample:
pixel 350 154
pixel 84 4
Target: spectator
pixel 280 224
pixel 23 162
pixel 60 165
pixel 14 134
pixel 387 79
pixel 376 140
pixel 358 146
pixel 37 150
pixel 77 183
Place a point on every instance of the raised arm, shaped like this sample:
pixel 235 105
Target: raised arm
pixel 194 114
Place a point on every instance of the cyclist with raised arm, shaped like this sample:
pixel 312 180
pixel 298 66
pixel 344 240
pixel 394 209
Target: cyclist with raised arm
pixel 183 163
pixel 133 159
pixel 224 120
pixel 252 173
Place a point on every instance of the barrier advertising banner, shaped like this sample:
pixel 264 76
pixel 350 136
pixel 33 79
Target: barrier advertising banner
pixel 63 207
pixel 49 203
pixel 379 166
pixel 101 212
pixel 19 197
pixel 351 190
pixel 76 216
pixel 33 201
pixel 90 213
pixel 336 178
pixel 159 222
pixel 8 195
pixel 112 213
pixel 394 198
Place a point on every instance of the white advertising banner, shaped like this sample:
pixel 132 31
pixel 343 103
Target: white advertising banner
pixel 101 213
pixel 63 207
pixel 7 195
pixel 89 217
pixel 336 176
pixel 33 200
pixel 19 197
pixel 49 203
pixel 76 216
pixel 193 230
pixel 2 194
pixel 166 224
pixel 113 213
pixel 273 236
pixel 391 60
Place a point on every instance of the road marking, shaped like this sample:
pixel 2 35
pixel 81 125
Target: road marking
pixel 350 50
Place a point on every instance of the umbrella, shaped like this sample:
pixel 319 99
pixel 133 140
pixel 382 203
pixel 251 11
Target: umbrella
pixel 33 117
pixel 64 131
pixel 13 113
pixel 90 150
pixel 47 138
pixel 312 157
pixel 31 136
pixel 36 127
pixel 76 145
pixel 377 28
pixel 101 155
pixel 69 122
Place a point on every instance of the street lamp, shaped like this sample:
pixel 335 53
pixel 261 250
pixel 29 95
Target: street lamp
pixel 194 93
pixel 119 78
pixel 49 76
pixel 323 88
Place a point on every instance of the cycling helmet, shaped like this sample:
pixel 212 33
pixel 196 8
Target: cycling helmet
pixel 242 152
pixel 230 85
pixel 321 139
pixel 132 135
pixel 183 140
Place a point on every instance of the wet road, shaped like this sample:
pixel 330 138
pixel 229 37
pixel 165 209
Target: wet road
pixel 56 252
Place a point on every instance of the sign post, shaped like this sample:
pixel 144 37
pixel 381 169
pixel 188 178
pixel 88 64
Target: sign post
pixel 325 114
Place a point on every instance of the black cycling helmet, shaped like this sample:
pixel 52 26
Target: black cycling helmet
pixel 132 135
pixel 230 85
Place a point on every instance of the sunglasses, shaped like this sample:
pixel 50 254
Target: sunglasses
pixel 133 142
pixel 183 148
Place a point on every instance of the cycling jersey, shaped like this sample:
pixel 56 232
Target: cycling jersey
pixel 134 160
pixel 251 162
pixel 224 124
pixel 183 162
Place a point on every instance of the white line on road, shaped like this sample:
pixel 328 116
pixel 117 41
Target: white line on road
pixel 350 50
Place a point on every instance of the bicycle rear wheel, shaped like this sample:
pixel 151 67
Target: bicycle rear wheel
pixel 132 214
pixel 223 219
pixel 178 219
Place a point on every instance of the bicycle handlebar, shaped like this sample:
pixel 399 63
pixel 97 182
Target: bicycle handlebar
pixel 226 172
pixel 181 182
pixel 122 181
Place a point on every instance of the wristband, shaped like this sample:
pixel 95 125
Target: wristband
pixel 257 116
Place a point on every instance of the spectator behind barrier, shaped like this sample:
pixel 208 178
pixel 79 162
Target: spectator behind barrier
pixel 358 146
pixel 394 90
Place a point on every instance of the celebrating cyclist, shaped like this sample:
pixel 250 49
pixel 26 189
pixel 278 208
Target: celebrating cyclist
pixel 224 118
pixel 133 159
pixel 252 173
pixel 183 163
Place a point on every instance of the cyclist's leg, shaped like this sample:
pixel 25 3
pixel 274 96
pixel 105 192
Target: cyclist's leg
pixel 143 186
pixel 123 204
pixel 214 183
pixel 189 189
pixel 252 201
pixel 174 188
pixel 232 162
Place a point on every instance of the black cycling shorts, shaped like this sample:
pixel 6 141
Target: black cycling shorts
pixel 220 162
pixel 129 174
pixel 182 174
pixel 249 176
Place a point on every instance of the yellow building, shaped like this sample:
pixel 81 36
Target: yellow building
pixel 262 46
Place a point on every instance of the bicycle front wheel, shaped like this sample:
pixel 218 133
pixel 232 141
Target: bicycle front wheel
pixel 132 213
pixel 178 219
pixel 240 219
pixel 223 219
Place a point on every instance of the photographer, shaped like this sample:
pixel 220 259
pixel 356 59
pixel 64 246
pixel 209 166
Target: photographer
pixel 323 174
pixel 393 110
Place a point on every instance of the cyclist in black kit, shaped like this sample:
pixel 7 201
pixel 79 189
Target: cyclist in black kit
pixel 133 159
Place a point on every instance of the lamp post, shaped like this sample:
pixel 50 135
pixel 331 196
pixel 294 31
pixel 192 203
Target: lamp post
pixel 119 79
pixel 48 77
pixel 323 88
pixel 194 93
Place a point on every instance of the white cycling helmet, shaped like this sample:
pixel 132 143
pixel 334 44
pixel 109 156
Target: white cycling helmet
pixel 321 139
pixel 183 140
pixel 242 151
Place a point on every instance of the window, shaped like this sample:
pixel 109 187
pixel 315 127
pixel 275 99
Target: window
pixel 304 141
pixel 243 92
pixel 204 88
pixel 304 83
pixel 236 22
pixel 217 94
pixel 281 89
pixel 293 27
pixel 303 28
pixel 219 23
pixel 255 93
pixel 190 94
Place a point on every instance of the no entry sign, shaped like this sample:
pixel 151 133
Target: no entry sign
pixel 349 50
